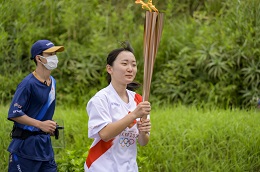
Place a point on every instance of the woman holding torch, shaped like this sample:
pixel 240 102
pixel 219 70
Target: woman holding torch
pixel 114 117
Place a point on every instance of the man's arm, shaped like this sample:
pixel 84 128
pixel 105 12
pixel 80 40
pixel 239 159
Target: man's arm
pixel 48 126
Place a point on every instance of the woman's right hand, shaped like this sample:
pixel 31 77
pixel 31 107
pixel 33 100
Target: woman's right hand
pixel 142 109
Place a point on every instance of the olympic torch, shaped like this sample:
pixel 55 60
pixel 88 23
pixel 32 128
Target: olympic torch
pixel 153 27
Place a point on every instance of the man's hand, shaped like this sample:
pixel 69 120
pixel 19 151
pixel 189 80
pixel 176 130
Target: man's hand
pixel 48 126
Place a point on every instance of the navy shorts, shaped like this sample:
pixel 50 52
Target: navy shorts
pixel 19 164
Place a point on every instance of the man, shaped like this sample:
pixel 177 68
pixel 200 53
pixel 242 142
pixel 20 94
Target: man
pixel 31 110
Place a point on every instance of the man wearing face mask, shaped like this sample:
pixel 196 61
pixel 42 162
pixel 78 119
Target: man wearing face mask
pixel 31 111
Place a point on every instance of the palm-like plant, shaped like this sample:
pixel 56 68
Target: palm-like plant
pixel 251 72
pixel 204 54
pixel 217 66
pixel 250 96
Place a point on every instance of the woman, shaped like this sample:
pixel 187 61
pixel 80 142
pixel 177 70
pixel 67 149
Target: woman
pixel 114 117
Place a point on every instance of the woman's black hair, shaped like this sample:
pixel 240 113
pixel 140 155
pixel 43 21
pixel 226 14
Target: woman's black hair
pixel 112 57
pixel 133 86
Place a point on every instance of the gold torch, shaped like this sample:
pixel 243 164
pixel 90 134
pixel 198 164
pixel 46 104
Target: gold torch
pixel 153 27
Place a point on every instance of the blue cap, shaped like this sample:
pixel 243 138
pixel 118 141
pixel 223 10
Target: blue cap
pixel 46 46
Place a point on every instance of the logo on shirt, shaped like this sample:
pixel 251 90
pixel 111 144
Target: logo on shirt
pixel 115 104
pixel 17 111
pixel 19 106
pixel 126 142
pixel 127 138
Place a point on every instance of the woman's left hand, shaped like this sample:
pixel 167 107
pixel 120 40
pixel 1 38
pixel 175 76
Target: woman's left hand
pixel 144 125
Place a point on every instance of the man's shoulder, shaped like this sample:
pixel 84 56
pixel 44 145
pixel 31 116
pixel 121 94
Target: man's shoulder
pixel 29 78
pixel 26 80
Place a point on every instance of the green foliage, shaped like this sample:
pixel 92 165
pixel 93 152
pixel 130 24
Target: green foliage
pixel 212 57
pixel 209 50
pixel 8 86
pixel 73 156
pixel 6 127
pixel 72 161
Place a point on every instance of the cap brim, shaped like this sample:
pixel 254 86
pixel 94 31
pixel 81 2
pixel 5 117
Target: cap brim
pixel 54 49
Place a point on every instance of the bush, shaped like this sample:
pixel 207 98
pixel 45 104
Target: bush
pixel 208 52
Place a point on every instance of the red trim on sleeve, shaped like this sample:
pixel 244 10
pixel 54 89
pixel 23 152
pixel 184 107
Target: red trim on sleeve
pixel 133 123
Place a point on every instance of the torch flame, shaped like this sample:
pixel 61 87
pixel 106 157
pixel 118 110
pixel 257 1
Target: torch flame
pixel 149 5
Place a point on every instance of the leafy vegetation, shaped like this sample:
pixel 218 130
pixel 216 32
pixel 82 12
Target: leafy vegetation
pixel 209 50
pixel 182 139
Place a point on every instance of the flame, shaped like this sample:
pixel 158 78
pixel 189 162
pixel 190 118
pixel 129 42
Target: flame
pixel 149 5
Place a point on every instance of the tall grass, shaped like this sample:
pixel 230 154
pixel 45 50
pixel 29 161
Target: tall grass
pixel 191 139
pixel 182 139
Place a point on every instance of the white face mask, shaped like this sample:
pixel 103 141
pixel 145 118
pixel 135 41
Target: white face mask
pixel 52 62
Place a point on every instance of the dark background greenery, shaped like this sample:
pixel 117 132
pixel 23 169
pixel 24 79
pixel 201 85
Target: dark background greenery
pixel 209 52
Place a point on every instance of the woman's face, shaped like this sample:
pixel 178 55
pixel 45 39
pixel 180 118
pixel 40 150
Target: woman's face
pixel 124 68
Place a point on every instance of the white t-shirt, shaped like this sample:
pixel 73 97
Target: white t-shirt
pixel 118 154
